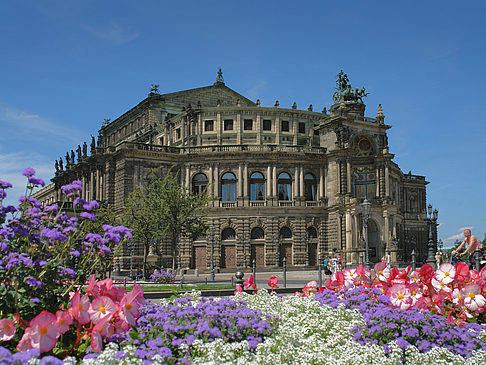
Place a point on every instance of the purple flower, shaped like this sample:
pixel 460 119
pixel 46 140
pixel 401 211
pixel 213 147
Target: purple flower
pixel 91 205
pixel 33 282
pixel 74 253
pixel 36 181
pixel 87 215
pixel 51 208
pixel 35 300
pixel 53 234
pixel 79 201
pixel 29 172
pixel 5 184
pixel 3 194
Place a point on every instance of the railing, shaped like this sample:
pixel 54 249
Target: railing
pixel 312 204
pixel 228 204
pixel 258 203
pixel 285 203
pixel 218 148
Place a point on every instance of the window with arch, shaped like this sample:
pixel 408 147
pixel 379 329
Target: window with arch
pixel 284 186
pixel 257 186
pixel 257 234
pixel 228 234
pixel 364 182
pixel 311 232
pixel 228 187
pixel 199 183
pixel 310 187
pixel 285 232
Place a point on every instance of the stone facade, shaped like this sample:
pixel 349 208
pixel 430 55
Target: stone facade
pixel 288 182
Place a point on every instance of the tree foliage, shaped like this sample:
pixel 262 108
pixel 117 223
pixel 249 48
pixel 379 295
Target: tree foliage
pixel 163 208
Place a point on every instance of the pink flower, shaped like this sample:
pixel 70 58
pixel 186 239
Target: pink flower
pixel 129 307
pixel 473 300
pixel 7 330
pixel 97 333
pixel 272 283
pixel 400 296
pixel 44 331
pixel 350 276
pixel 100 308
pixel 64 320
pixel 382 271
pixel 446 273
pixel 440 285
pixel 122 326
pixel 310 287
pixel 79 308
pixel 24 344
pixel 239 289
pixel 250 282
pixel 457 297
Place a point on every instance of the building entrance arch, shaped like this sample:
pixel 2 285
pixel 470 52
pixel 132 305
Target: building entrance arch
pixel 376 251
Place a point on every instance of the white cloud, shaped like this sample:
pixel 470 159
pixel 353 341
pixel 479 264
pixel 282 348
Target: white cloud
pixel 24 126
pixel 112 32
pixel 463 228
pixel 11 166
pixel 253 93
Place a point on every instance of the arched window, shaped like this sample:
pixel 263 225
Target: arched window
pixel 228 234
pixel 311 232
pixel 257 186
pixel 228 187
pixel 310 187
pixel 199 183
pixel 364 182
pixel 257 234
pixel 284 185
pixel 285 232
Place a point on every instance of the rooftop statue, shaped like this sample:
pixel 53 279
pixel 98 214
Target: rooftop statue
pixel 154 89
pixel 219 77
pixel 346 92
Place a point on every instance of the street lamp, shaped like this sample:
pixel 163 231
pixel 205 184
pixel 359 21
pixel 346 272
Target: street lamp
pixel 244 250
pixel 432 219
pixel 211 232
pixel 275 241
pixel 365 209
pixel 306 237
pixel 441 244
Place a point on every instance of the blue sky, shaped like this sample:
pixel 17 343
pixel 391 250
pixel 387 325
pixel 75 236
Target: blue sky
pixel 66 65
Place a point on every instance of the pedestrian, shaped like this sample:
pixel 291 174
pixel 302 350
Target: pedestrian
pixel 326 266
pixel 472 243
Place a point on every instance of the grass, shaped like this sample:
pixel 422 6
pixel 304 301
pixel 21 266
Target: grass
pixel 176 288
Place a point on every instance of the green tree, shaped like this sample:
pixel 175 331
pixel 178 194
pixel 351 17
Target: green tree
pixel 165 208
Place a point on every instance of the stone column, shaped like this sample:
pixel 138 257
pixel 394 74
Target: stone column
pixel 301 178
pixel 240 181
pixel 92 186
pixel 295 185
pixel 321 183
pixel 258 128
pixel 238 128
pixel 269 181
pixel 274 181
pixel 188 177
pixel 216 181
pixel 245 181
pixel 386 230
pixel 387 182
pixel 349 237
pixel 348 176
pixel 377 177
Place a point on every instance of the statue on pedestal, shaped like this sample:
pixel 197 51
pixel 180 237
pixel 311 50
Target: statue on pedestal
pixel 85 149
pixel 93 146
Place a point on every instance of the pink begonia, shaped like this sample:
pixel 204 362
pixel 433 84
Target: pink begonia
pixel 415 292
pixel 122 326
pixel 79 308
pixel 382 271
pixel 100 308
pixel 7 330
pixel 446 273
pixel 457 297
pixel 350 276
pixel 24 343
pixel 473 300
pixel 44 331
pixel 440 285
pixel 400 296
pixel 129 307
pixel 239 289
pixel 97 333
pixel 64 320
pixel 310 287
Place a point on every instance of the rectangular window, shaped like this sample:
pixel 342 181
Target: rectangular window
pixel 285 127
pixel 301 127
pixel 161 141
pixel 316 132
pixel 228 125
pixel 267 125
pixel 248 124
pixel 209 125
pixel 178 133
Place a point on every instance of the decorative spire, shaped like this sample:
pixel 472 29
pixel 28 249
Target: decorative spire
pixel 219 77
pixel 380 117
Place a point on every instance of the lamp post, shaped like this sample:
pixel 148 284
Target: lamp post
pixel 130 248
pixel 306 237
pixel 432 219
pixel 440 244
pixel 244 250
pixel 211 232
pixel 365 209
pixel 275 241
